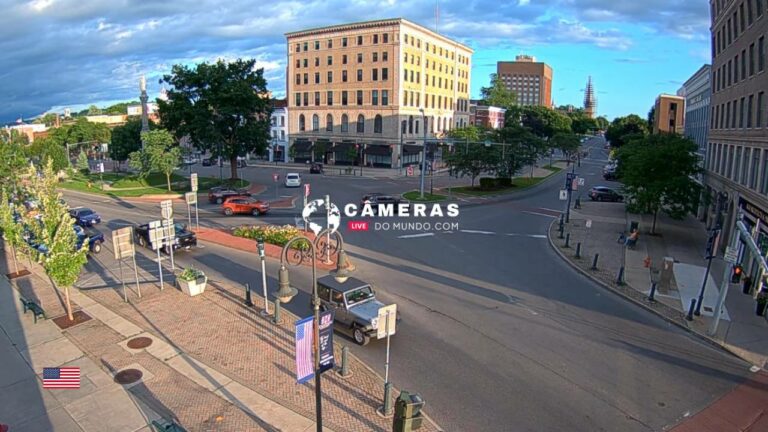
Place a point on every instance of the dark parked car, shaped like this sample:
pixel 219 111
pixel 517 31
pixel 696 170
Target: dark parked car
pixel 379 198
pixel 84 216
pixel 184 239
pixel 602 193
pixel 217 195
pixel 95 239
pixel 316 168
pixel 354 304
pixel 207 162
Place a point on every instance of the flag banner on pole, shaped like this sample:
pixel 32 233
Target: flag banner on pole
pixel 304 361
pixel 61 378
pixel 326 341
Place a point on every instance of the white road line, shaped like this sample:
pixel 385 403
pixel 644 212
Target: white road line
pixel 539 214
pixel 478 232
pixel 549 209
pixel 407 236
pixel 541 236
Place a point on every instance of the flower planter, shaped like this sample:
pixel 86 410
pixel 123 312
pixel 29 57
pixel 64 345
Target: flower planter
pixel 192 288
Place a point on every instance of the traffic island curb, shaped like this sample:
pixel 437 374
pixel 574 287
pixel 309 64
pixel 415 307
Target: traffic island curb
pixel 628 293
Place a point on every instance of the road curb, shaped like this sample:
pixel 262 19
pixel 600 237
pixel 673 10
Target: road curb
pixel 645 306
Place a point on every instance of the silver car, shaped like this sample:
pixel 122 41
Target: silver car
pixel 354 304
pixel 292 180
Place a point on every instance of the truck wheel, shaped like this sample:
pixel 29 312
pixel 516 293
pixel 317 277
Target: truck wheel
pixel 255 212
pixel 228 211
pixel 219 200
pixel 359 336
pixel 96 248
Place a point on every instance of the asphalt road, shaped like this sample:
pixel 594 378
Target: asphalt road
pixel 497 333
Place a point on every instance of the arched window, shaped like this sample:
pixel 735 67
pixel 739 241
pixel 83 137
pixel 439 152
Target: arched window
pixel 315 123
pixel 360 124
pixel 329 123
pixel 302 124
pixel 377 124
pixel 410 124
pixel 344 123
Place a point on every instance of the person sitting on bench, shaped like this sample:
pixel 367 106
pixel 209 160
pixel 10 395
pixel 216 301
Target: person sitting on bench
pixel 632 239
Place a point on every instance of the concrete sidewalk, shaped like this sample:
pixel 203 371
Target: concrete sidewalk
pixel 682 244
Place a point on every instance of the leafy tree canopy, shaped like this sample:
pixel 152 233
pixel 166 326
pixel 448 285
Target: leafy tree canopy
pixel 620 127
pixel 223 107
pixel 497 94
pixel 544 122
pixel 119 108
pixel 160 154
pixel 127 139
pixel 46 150
pixel 468 133
pixel 81 131
pixel 602 123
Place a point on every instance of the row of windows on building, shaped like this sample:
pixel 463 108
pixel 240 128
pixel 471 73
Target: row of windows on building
pixel 436 66
pixel 278 119
pixel 749 111
pixel 744 16
pixel 280 136
pixel 410 126
pixel 747 166
pixel 375 75
pixel 304 46
pixel 520 78
pixel 741 66
pixel 448 54
pixel 439 82
pixel 302 99
pixel 384 56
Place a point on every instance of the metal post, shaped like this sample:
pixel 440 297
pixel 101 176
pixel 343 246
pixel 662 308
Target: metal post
pixel 136 274
pixel 423 156
pixel 189 214
pixel 697 312
pixel 620 276
pixel 328 229
pixel 248 301
pixel 567 240
pixel 160 267
pixel 689 317
pixel 387 409
pixel 578 250
pixel 197 217
pixel 594 262
pixel 651 297
pixel 265 312
pixel 345 362
pixel 725 281
pixel 125 293
pixel 277 312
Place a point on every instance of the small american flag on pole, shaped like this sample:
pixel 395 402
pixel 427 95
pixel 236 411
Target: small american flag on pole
pixel 61 378
pixel 304 363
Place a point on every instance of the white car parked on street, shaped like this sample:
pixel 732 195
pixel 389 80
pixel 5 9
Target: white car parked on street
pixel 292 180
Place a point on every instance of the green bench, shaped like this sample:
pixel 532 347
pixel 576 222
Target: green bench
pixel 30 305
pixel 163 425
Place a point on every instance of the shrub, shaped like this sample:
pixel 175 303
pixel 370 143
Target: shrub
pixel 191 274
pixel 504 182
pixel 272 234
pixel 487 183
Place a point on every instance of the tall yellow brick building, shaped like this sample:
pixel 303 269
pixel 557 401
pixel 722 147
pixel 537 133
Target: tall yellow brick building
pixel 356 91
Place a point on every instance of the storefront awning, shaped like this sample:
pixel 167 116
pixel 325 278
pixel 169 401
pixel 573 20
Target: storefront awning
pixel 411 149
pixel 302 146
pixel 380 150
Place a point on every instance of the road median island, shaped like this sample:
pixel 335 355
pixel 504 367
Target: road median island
pixel 120 185
pixel 497 186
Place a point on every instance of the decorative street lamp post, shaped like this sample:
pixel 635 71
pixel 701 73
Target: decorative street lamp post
pixel 423 154
pixel 341 274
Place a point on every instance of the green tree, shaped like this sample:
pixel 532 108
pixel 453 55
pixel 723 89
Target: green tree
pixel 472 159
pixel 545 122
pixel 126 139
pixel 658 174
pixel 520 147
pixel 82 162
pixel 12 157
pixel 223 107
pixel 94 110
pixel 468 133
pixel 48 149
pixel 623 127
pixel 160 154
pixel 62 261
pixel 49 119
pixel 602 123
pixel 651 117
pixel 10 228
pixel 119 108
pixel 568 143
pixel 581 123
pixel 497 94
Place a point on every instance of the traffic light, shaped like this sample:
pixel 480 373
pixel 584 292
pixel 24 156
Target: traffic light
pixel 408 415
pixel 736 274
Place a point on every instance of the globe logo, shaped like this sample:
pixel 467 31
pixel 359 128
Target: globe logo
pixel 333 215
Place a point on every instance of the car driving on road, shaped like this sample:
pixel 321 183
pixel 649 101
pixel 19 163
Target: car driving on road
pixel 602 193
pixel 292 180
pixel 84 216
pixel 185 239
pixel 354 304
pixel 244 205
pixel 217 195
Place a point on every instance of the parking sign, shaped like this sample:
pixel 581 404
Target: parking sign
pixel 306 189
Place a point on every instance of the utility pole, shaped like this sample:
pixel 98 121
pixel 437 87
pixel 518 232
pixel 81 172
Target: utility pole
pixel 423 155
pixel 714 239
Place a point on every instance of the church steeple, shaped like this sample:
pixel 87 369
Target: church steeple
pixel 590 101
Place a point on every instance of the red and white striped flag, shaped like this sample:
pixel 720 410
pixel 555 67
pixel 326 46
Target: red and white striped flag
pixel 61 378
pixel 305 367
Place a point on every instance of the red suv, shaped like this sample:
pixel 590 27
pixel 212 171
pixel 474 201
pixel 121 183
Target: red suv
pixel 239 205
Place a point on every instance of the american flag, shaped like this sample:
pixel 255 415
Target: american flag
pixel 304 363
pixel 61 378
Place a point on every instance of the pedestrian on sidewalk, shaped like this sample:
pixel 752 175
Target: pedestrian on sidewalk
pixel 747 285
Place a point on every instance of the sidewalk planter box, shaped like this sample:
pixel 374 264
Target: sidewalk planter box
pixel 192 282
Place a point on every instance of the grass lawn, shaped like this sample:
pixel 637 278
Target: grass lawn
pixel 518 183
pixel 552 168
pixel 125 185
pixel 428 197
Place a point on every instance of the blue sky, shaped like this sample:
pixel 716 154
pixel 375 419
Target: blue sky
pixel 73 53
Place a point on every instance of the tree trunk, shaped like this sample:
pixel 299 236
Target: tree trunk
pixel 233 166
pixel 15 263
pixel 653 227
pixel 68 304
pixel 168 180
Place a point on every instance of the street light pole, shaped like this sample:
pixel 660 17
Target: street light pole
pixel 423 154
pixel 341 274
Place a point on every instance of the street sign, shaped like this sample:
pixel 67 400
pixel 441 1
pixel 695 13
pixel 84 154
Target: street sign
pixel 386 321
pixel 487 143
pixel 563 195
pixel 122 240
pixel 581 181
pixel 589 223
pixel 191 197
pixel 166 209
pixel 275 177
pixel 306 189
pixel 193 181
pixel 575 184
pixel 409 170
pixel 731 255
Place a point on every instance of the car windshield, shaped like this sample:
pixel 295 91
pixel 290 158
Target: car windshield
pixel 293 176
pixel 179 228
pixel 358 295
pixel 86 212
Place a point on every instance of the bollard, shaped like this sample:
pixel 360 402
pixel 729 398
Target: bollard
pixel 577 204
pixel 594 262
pixel 344 362
pixel 689 317
pixel 248 301
pixel 653 293
pixel 620 276
pixel 578 250
pixel 387 410
pixel 567 240
pixel 560 232
pixel 277 311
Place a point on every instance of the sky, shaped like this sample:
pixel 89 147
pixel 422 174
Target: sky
pixel 74 53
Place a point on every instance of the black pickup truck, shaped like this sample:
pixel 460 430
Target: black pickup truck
pixel 184 239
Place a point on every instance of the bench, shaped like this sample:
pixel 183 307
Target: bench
pixel 30 305
pixel 163 425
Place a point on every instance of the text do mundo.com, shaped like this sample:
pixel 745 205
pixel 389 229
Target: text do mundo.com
pixel 400 213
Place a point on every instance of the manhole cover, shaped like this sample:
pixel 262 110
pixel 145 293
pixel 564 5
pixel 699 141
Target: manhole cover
pixel 128 376
pixel 139 342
